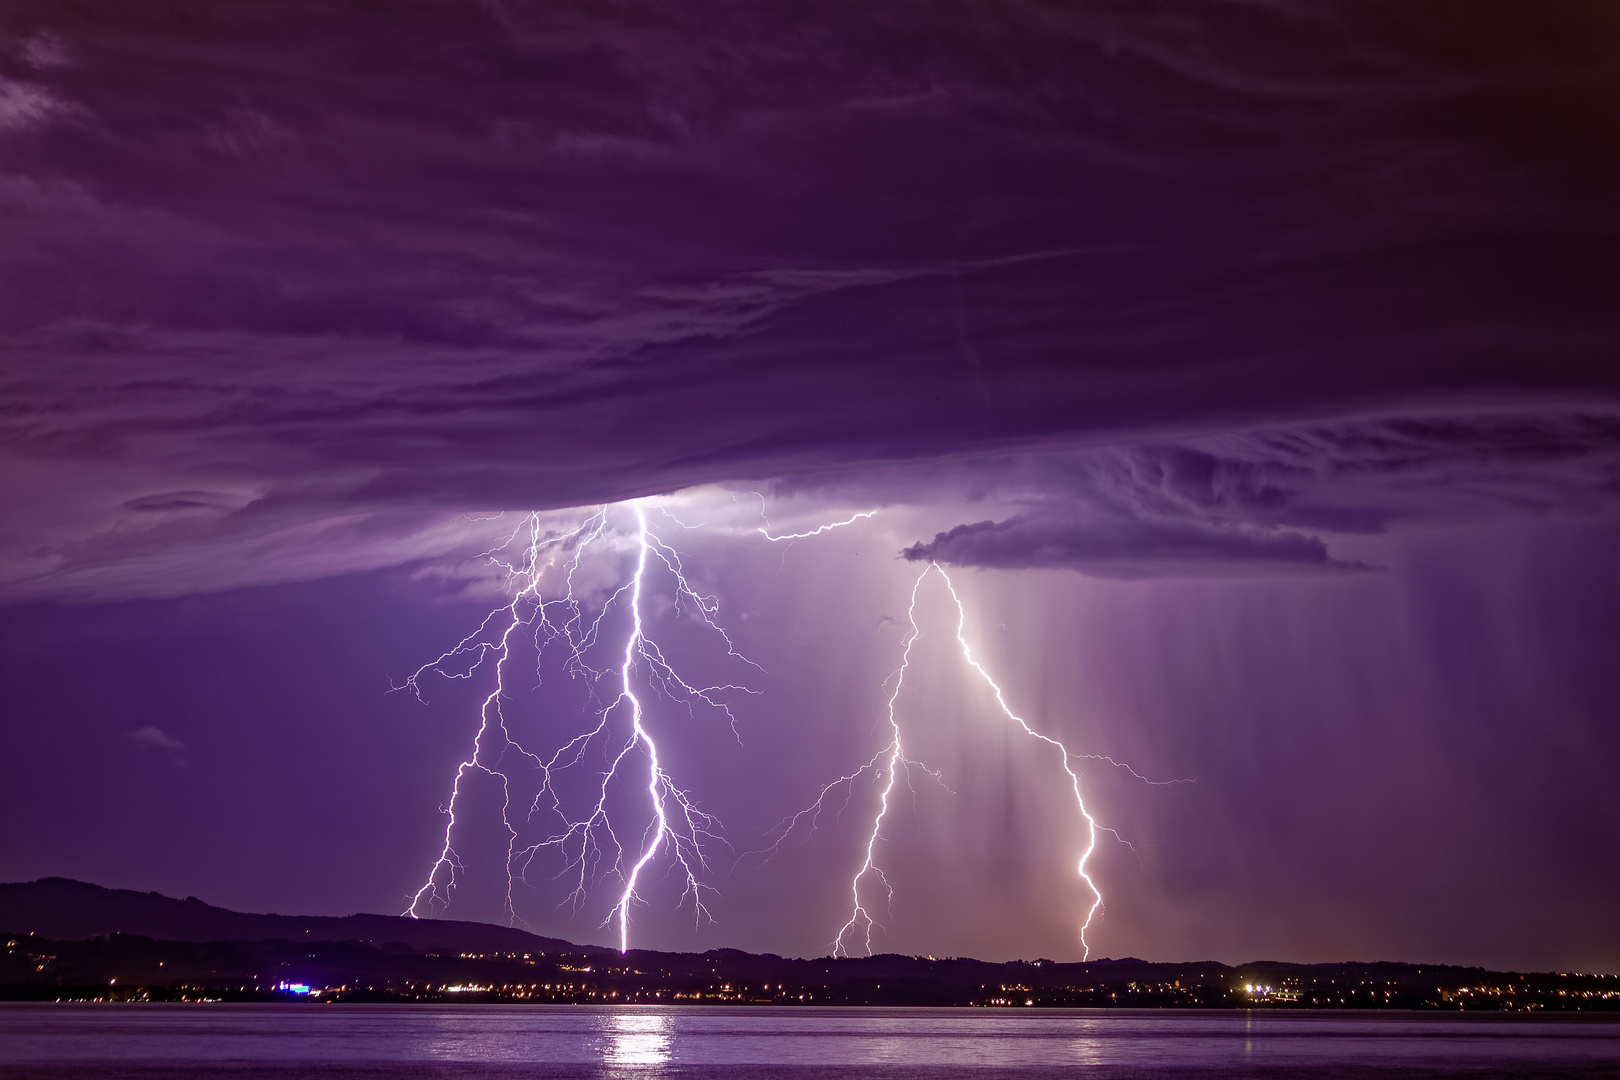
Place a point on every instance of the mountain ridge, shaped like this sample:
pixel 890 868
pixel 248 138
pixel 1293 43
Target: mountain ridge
pixel 65 909
pixel 71 940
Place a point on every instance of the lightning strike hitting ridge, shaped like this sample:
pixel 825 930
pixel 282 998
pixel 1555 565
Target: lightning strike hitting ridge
pixel 1074 777
pixel 861 921
pixel 655 776
pixel 859 916
pixel 588 841
pixel 550 608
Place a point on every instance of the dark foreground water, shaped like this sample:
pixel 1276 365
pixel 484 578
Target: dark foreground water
pixel 246 1042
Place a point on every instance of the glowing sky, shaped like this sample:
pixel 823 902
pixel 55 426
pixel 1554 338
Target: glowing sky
pixel 1251 367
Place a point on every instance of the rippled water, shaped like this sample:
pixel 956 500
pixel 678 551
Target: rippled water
pixel 284 1041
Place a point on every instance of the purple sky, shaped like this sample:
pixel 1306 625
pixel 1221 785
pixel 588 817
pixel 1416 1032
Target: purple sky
pixel 1251 366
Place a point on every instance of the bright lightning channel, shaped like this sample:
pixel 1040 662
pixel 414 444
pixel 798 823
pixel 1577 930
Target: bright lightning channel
pixel 1074 777
pixel 765 530
pixel 655 775
pixel 861 921
pixel 859 917
pixel 588 840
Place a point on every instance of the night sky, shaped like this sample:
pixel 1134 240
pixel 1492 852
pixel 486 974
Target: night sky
pixel 1251 367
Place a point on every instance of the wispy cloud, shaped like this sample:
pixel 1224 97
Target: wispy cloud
pixel 156 738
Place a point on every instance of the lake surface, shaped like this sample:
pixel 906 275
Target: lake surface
pixel 247 1042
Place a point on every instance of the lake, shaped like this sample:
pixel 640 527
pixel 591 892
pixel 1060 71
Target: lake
pixel 286 1041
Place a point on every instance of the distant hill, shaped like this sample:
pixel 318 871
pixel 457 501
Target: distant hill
pixel 67 910
pixel 68 940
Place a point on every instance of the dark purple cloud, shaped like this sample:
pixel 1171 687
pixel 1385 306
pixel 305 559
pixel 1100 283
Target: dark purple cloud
pixel 1125 549
pixel 1265 500
pixel 1368 474
pixel 459 255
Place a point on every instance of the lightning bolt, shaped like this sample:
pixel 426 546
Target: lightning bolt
pixel 859 917
pixel 765 530
pixel 657 781
pixel 1063 751
pixel 550 608
pixel 587 841
pixel 861 921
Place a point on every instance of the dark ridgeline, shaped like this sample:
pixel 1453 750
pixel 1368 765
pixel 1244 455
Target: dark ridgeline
pixel 74 941
pixel 73 910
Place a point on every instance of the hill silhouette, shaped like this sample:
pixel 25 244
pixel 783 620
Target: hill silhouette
pixel 70 940
pixel 66 910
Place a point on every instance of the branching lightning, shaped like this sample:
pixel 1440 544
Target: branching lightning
pixel 888 764
pixel 765 530
pixel 860 920
pixel 1063 751
pixel 551 607
pixel 589 842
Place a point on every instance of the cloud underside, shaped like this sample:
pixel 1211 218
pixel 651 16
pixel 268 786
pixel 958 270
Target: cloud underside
pixel 286 294
pixel 1262 501
pixel 1134 549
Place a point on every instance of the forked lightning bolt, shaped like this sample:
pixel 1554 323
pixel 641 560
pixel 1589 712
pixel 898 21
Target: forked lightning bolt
pixel 588 839
pixel 1063 751
pixel 657 782
pixel 546 605
pixel 861 921
pixel 550 608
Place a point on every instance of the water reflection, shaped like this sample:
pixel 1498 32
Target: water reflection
pixel 637 1038
pixel 639 1043
pixel 1086 1044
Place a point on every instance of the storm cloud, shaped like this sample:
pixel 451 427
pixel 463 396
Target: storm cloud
pixel 328 262
pixel 1268 500
pixel 1124 549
